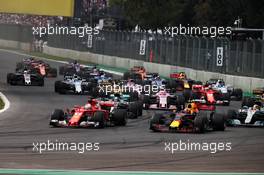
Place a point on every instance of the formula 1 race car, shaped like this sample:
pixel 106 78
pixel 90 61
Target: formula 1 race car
pixel 246 116
pixel 178 75
pixel 180 83
pixel 163 100
pixel 136 73
pixel 90 115
pixel 25 77
pixel 154 79
pixel 73 84
pixel 210 95
pixel 134 107
pixel 39 66
pixel 195 118
pixel 219 85
pixel 72 67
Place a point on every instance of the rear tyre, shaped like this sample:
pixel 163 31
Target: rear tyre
pixel 133 108
pixel 238 93
pixel 226 96
pixel 99 117
pixel 140 108
pixel 57 114
pixel 199 123
pixel 146 101
pixel 120 117
pixel 155 120
pixel 41 82
pixel 187 94
pixel 53 72
pixel 218 122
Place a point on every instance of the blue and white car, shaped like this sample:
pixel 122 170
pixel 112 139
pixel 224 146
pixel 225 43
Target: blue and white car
pixel 73 84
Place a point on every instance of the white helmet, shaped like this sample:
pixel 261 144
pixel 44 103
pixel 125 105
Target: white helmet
pixel 87 106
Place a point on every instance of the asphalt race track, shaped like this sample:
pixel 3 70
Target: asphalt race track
pixel 130 148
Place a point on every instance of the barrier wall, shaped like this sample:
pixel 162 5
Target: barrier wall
pixel 246 83
pixel 15 45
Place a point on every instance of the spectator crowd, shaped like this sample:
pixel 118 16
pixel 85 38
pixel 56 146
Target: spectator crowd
pixel 32 20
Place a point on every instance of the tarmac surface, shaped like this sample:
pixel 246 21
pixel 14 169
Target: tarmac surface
pixel 130 148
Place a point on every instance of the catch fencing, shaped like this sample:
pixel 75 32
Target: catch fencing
pixel 223 55
pixel 245 58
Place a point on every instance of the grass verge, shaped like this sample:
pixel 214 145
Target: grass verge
pixel 2 104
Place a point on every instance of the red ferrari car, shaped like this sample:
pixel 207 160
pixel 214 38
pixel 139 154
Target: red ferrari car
pixel 93 114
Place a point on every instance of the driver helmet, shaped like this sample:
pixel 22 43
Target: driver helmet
pixel 87 106
pixel 116 99
pixel 26 71
pixel 75 76
pixel 256 107
pixel 188 109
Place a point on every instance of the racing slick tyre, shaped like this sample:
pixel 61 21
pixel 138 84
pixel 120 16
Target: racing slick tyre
pixel 53 72
pixel 146 102
pixel 247 101
pixel 134 96
pixel 200 122
pixel 238 93
pixel 120 117
pixel 8 77
pixel 231 114
pixel 140 108
pixel 187 94
pixel 134 110
pixel 226 96
pixel 58 87
pixel 155 120
pixel 180 102
pixel 41 82
pixel 218 122
pixel 57 114
pixel 99 117
pixel 19 66
pixel 171 85
pixel 126 76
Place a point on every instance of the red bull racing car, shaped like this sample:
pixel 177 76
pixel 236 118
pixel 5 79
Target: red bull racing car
pixel 196 117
